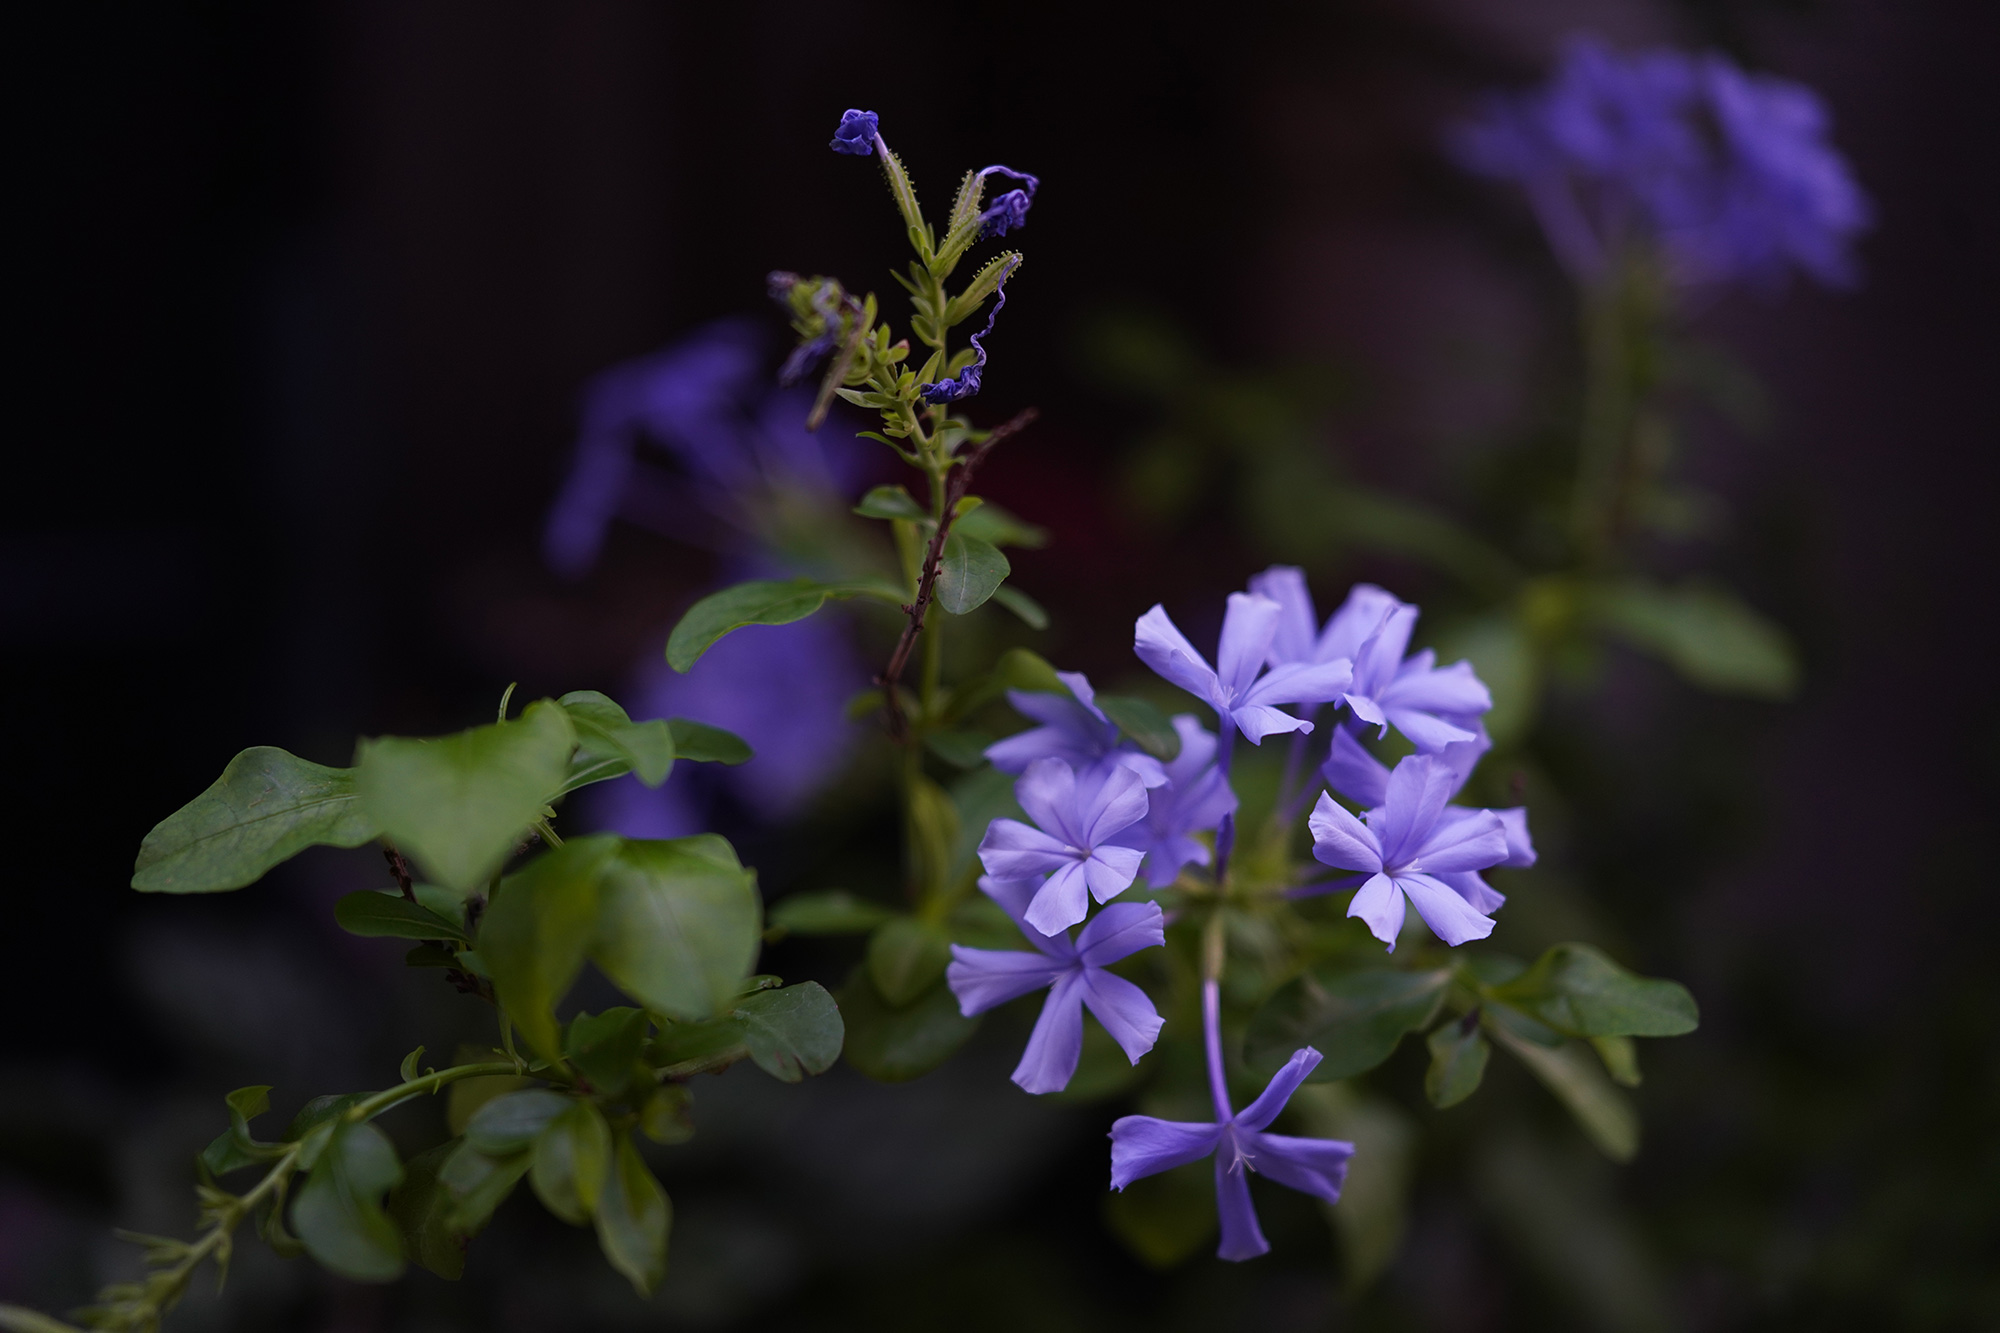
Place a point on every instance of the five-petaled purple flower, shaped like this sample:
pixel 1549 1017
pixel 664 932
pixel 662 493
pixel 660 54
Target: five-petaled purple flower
pixel 1233 687
pixel 1407 843
pixel 1074 729
pixel 1075 974
pixel 1433 706
pixel 857 133
pixel 1195 799
pixel 1078 814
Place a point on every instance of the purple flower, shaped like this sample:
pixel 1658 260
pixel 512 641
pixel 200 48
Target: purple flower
pixel 1142 1146
pixel 1074 730
pixel 857 134
pixel 1407 843
pixel 1010 210
pixel 1075 974
pixel 1233 688
pixel 1433 707
pixel 1195 799
pixel 1077 815
pixel 967 383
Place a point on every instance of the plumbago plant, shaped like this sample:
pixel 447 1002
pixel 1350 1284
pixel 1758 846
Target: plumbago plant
pixel 1233 948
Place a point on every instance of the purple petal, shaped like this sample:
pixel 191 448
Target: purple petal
pixel 1464 756
pixel 1061 902
pixel 1120 931
pixel 1152 773
pixel 1079 685
pixel 1381 655
pixel 1014 895
pixel 1242 1238
pixel 1047 791
pixel 1427 732
pixel 1012 850
pixel 983 978
pixel 1056 710
pixel 1126 1011
pixel 1119 801
pixel 1379 904
pixel 1471 840
pixel 1164 648
pixel 1256 721
pixel 1452 690
pixel 1247 629
pixel 1303 683
pixel 1311 1166
pixel 1365 708
pixel 1110 871
pixel 1143 1145
pixel 1279 1090
pixel 1197 749
pixel 1450 917
pixel 1468 885
pixel 1286 585
pixel 1057 1041
pixel 1520 847
pixel 1353 772
pixel 1014 753
pixel 1350 627
pixel 1342 841
pixel 1419 786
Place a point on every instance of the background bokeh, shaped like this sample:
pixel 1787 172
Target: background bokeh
pixel 306 296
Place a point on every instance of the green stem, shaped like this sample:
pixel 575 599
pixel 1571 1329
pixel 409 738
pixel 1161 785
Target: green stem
pixel 432 1082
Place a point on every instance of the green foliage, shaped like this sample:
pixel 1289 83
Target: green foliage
pixel 423 1209
pixel 377 914
pixel 906 957
pixel 700 743
pixel 607 738
pixel 1458 1061
pixel 339 1214
pixel 569 1161
pixel 828 912
pixel 1576 990
pixel 633 1217
pixel 971 572
pixel 1353 1017
pixel 1143 724
pixel 604 1048
pixel 1163 1219
pixel 764 602
pixel 537 931
pixel 1706 633
pixel 478 1184
pixel 1579 1083
pixel 891 502
pixel 267 807
pixel 895 1043
pixel 460 804
pixel 678 924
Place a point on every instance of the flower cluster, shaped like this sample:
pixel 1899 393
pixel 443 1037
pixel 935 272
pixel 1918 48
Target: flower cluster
pixel 1102 813
pixel 1729 173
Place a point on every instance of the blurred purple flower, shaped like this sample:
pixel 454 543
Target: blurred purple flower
pixel 1074 730
pixel 857 133
pixel 1195 799
pixel 1233 687
pixel 1075 974
pixel 1077 814
pixel 1406 843
pixel 1729 172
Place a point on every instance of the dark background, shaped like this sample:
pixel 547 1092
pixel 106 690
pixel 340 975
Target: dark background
pixel 304 296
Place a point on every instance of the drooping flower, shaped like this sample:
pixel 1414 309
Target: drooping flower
pixel 1406 843
pixel 1237 688
pixel 1009 210
pixel 1074 729
pixel 1433 706
pixel 857 133
pixel 1142 1145
pixel 1073 971
pixel 1070 851
pixel 1364 779
pixel 1195 799
pixel 967 382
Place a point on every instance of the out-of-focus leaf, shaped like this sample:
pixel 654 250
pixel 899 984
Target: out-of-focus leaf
pixel 992 524
pixel 605 1047
pixel 1374 1201
pixel 320 1111
pixel 1030 611
pixel 906 957
pixel 391 915
pixel 459 804
pixel 267 807
pixel 604 729
pixel 969 573
pixel 511 1123
pixel 1621 1059
pixel 1164 1219
pixel 569 1162
pixel 1145 725
pixel 1706 633
pixel 1458 1061
pixel 478 1184
pixel 678 924
pixel 1575 989
pixel 464 1098
pixel 1580 1084
pixel 791 1032
pixel 830 912
pixel 980 797
pixel 892 1045
pixel 700 743
pixel 1353 1017
pixel 632 1219
pixel 16 1319
pixel 423 1210
pixel 537 929
pixel 668 1115
pixel 1498 647
pixel 934 831
pixel 765 602
pixel 891 502
pixel 339 1215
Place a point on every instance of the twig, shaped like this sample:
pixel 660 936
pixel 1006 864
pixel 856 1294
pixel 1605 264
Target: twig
pixel 401 870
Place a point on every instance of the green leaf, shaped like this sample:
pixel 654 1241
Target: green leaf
pixel 267 807
pixel 668 1115
pixel 339 1216
pixel 1352 1017
pixel 1164 1218
pixel 960 749
pixel 1621 1059
pixel 700 743
pixel 604 730
pixel 1580 1084
pixel 830 912
pixel 570 1159
pixel 1458 1061
pixel 423 1210
pixel 765 602
pixel 15 1319
pixel 319 1111
pixel 891 502
pixel 992 524
pixel 906 957
pixel 934 831
pixel 1575 989
pixel 633 1218
pixel 224 1154
pixel 537 930
pixel 1027 608
pixel 375 914
pixel 791 1032
pixel 1705 633
pixel 511 1123
pixel 459 804
pixel 605 1047
pixel 1146 725
pixel 893 1045
pixel 688 1048
pixel 969 573
pixel 678 924
pixel 479 1184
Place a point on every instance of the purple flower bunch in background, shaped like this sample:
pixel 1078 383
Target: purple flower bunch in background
pixel 1729 173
